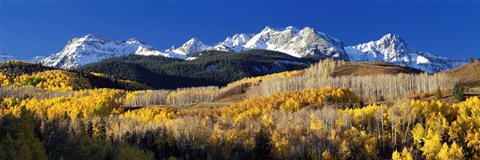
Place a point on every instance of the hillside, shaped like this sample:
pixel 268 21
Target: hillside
pixel 372 68
pixel 208 68
pixel 467 75
pixel 266 115
pixel 19 73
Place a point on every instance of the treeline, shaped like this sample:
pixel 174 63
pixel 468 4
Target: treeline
pixel 193 95
pixel 146 98
pixel 390 87
pixel 27 92
pixel 171 97
pixel 25 136
pixel 17 68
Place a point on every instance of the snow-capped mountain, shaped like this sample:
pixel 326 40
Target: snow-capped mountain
pixel 233 44
pixel 187 49
pixel 392 48
pixel 5 57
pixel 292 41
pixel 93 48
pixel 289 40
pixel 298 43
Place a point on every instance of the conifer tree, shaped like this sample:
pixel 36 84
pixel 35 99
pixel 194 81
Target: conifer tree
pixel 438 94
pixel 458 92
pixel 262 145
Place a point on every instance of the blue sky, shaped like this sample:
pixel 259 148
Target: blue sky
pixel 41 27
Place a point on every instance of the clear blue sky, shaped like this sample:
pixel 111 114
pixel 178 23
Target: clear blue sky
pixel 41 27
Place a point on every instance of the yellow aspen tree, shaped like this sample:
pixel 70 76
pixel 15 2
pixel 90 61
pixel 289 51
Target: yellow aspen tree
pixel 432 145
pixel 344 151
pixel 455 152
pixel 443 154
pixel 404 155
pixel 326 155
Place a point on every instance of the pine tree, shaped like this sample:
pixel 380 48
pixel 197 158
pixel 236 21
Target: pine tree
pixel 18 137
pixel 439 94
pixel 263 145
pixel 381 98
pixel 458 92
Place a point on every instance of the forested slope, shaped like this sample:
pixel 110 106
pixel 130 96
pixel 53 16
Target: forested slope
pixel 301 114
pixel 19 73
pixel 209 68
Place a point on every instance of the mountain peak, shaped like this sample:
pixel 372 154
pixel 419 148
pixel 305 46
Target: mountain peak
pixel 392 48
pixel 268 29
pixel 134 41
pixel 395 43
pixel 93 48
pixel 292 28
pixel 308 29
pixel 93 37
pixel 194 41
pixel 392 38
pixel 388 48
pixel 242 35
pixel 391 35
pixel 192 46
pixel 89 38
pixel 5 57
pixel 290 40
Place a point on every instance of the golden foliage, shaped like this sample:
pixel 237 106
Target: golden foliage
pixel 54 80
pixel 288 101
pixel 152 114
pixel 85 103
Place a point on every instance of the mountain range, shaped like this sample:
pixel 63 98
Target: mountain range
pixel 290 40
pixel 6 57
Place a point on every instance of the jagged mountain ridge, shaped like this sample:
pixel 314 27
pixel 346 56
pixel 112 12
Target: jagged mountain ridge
pixel 190 47
pixel 233 44
pixel 5 57
pixel 290 40
pixel 94 48
pixel 392 48
pixel 297 43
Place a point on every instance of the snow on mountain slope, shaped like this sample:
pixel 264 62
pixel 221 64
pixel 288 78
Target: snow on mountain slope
pixel 93 48
pixel 392 48
pixel 289 40
pixel 5 57
pixel 188 48
pixel 233 44
pixel 298 43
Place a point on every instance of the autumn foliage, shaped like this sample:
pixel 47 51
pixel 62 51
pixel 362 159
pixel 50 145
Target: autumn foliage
pixel 55 80
pixel 297 120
